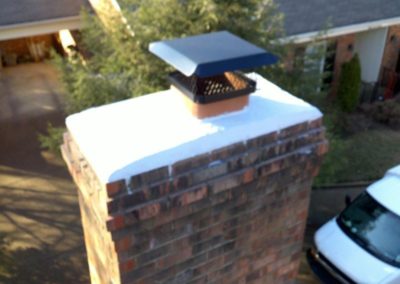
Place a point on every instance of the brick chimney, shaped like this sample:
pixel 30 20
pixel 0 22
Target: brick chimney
pixel 167 197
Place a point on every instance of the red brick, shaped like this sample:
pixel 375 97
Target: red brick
pixel 252 157
pixel 248 175
pixel 205 174
pixel 391 51
pixel 228 151
pixel 115 188
pixel 322 148
pixel 193 196
pixel 270 167
pixel 317 123
pixel 182 182
pixel 176 257
pixel 225 183
pixel 262 140
pixel 124 243
pixel 245 222
pixel 127 266
pixel 150 177
pixel 263 261
pixel 343 54
pixel 293 130
pixel 187 165
pixel 149 211
pixel 115 223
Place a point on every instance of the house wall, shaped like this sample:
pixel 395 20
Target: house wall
pixel 392 48
pixel 370 46
pixel 378 49
pixel 344 52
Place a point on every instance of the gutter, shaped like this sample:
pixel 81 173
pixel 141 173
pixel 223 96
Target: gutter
pixel 335 32
pixel 39 27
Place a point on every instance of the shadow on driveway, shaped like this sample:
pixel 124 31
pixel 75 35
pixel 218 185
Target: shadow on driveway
pixel 41 239
pixel 38 266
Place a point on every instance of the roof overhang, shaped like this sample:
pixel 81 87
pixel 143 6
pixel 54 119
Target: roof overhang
pixel 39 28
pixel 340 31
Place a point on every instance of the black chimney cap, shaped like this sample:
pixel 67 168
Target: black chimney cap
pixel 210 54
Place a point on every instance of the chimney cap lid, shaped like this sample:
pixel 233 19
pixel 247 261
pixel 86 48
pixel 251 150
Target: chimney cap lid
pixel 211 54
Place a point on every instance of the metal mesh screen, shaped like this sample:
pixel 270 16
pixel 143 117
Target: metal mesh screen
pixel 209 89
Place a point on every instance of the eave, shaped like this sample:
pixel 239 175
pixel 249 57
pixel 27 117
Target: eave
pixel 29 29
pixel 340 31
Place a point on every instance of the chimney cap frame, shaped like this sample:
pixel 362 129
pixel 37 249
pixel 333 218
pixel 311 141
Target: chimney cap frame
pixel 211 54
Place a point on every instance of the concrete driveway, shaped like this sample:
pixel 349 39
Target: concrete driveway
pixel 29 90
pixel 41 239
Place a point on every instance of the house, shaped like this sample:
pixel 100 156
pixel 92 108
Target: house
pixel 369 28
pixel 29 28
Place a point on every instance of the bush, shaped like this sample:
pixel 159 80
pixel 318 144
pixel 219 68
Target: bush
pixel 386 112
pixel 52 139
pixel 349 85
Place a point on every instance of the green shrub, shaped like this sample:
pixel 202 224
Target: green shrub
pixel 349 85
pixel 53 139
pixel 386 112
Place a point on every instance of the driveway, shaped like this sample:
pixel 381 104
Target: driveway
pixel 325 204
pixel 29 90
pixel 41 239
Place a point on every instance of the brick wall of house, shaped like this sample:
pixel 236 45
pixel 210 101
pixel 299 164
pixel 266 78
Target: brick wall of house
pixel 392 48
pixel 235 215
pixel 344 53
pixel 20 47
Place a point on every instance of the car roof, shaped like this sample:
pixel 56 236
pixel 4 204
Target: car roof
pixel 387 190
pixel 395 171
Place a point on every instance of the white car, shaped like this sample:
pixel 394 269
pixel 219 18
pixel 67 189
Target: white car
pixel 362 244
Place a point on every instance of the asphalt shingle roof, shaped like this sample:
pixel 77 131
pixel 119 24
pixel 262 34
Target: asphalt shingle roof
pixel 26 11
pixel 302 16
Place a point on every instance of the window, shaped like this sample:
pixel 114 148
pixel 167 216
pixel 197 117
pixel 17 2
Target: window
pixel 374 228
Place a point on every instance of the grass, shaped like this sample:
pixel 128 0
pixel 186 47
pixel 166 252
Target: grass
pixel 364 156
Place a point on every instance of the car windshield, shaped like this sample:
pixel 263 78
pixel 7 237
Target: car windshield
pixel 373 227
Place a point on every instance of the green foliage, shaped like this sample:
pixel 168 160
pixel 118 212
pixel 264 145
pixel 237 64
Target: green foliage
pixel 93 82
pixel 120 65
pixel 386 112
pixel 364 156
pixel 349 85
pixel 359 156
pixel 334 162
pixel 336 158
pixel 52 139
pixel 304 78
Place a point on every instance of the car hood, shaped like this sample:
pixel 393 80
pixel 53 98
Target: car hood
pixel 350 258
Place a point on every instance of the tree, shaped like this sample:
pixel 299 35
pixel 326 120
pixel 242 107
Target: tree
pixel 349 85
pixel 120 65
